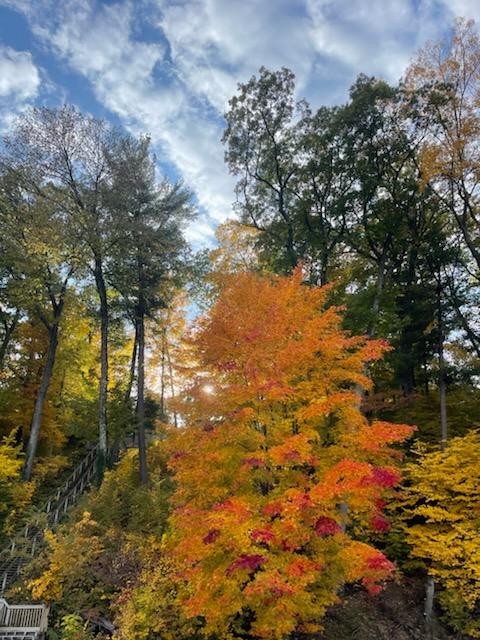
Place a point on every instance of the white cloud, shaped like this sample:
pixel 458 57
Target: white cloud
pixel 463 8
pixel 19 83
pixel 372 36
pixel 215 44
pixel 176 85
pixel 99 42
pixel 19 77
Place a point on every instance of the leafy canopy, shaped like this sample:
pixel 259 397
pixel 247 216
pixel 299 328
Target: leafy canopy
pixel 278 473
pixel 443 525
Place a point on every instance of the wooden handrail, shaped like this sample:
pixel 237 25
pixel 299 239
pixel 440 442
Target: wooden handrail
pixel 24 616
pixel 28 542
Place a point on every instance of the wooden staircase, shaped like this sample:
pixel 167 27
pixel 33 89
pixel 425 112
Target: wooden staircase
pixel 29 621
pixel 28 540
pixel 24 545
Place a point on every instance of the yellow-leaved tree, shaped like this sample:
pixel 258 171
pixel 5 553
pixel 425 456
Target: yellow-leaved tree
pixel 14 494
pixel 443 525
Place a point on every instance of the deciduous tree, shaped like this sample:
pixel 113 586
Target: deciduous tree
pixel 274 444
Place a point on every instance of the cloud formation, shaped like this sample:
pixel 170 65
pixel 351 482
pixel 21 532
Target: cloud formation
pixel 168 67
pixel 19 83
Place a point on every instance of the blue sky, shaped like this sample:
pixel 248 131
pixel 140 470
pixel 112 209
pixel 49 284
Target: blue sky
pixel 168 67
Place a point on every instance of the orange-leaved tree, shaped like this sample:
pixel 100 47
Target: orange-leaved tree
pixel 276 467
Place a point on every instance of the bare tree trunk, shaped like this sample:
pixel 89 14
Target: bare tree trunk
pixel 114 451
pixel 172 387
pixel 428 609
pixel 162 375
pixel 36 422
pixel 142 450
pixel 103 387
pixel 442 389
pixel 442 384
pixel 133 362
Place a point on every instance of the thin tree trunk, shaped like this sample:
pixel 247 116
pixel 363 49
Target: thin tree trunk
pixel 162 376
pixel 442 389
pixel 442 384
pixel 428 609
pixel 133 362
pixel 142 450
pixel 172 387
pixel 425 372
pixel 114 451
pixel 36 422
pixel 103 387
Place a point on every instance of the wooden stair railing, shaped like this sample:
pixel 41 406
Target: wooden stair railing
pixel 23 620
pixel 29 621
pixel 27 541
pixel 24 545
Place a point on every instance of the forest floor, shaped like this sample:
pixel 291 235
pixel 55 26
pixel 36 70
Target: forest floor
pixel 395 614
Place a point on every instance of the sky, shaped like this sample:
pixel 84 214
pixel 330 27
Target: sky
pixel 169 67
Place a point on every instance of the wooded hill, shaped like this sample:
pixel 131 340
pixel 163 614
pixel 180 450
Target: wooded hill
pixel 316 426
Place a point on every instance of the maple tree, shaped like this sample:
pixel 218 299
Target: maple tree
pixel 282 486
pixel 274 450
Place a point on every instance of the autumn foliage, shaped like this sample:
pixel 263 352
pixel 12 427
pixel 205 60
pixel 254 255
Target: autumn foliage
pixel 278 474
pixel 442 524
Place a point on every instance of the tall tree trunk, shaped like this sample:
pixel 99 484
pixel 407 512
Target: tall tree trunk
pixel 133 362
pixel 162 375
pixel 9 329
pixel 142 450
pixel 442 383
pixel 103 387
pixel 114 451
pixel 428 608
pixel 172 386
pixel 36 422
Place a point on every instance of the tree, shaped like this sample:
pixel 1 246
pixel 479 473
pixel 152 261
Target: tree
pixel 13 494
pixel 322 185
pixel 36 238
pixel 60 154
pixel 261 151
pixel 274 444
pixel 384 200
pixel 148 249
pixel 442 518
pixel 442 90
